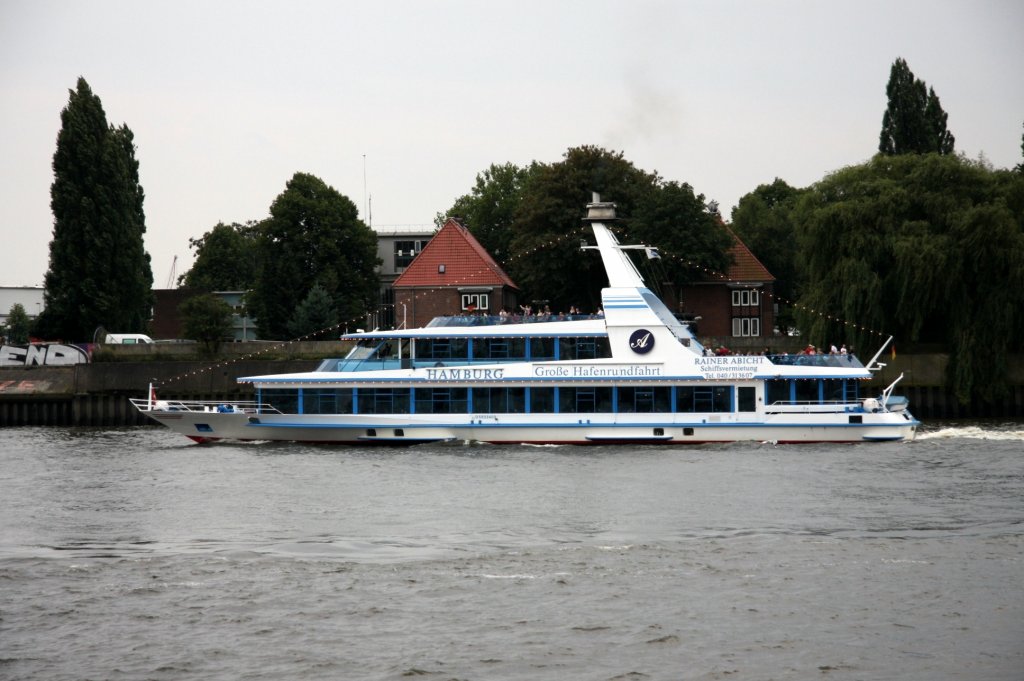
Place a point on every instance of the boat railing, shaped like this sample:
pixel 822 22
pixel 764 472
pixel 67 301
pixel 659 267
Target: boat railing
pixel 807 406
pixel 362 364
pixel 847 361
pixel 204 406
pixel 374 364
pixel 495 320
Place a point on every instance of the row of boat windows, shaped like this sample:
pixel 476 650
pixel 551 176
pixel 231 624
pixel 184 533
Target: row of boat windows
pixel 549 400
pixel 566 348
pixel 490 349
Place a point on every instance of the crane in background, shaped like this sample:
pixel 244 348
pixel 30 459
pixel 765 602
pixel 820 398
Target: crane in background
pixel 174 270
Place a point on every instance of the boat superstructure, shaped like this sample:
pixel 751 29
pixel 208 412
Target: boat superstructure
pixel 632 374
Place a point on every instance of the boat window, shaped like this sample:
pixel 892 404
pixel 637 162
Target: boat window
pixel 499 400
pixel 645 399
pixel 383 400
pixel 440 400
pixel 691 399
pixel 778 391
pixel 584 400
pixel 807 391
pixel 835 389
pixel 285 400
pixel 583 348
pixel 542 400
pixel 327 401
pixel 542 348
pixel 499 349
pixel 745 399
pixel 442 348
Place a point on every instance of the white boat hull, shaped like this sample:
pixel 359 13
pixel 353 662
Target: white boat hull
pixel 579 429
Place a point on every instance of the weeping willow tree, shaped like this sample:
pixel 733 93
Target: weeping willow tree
pixel 929 248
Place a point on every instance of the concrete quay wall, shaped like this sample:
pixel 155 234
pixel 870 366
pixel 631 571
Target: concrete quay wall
pixel 97 394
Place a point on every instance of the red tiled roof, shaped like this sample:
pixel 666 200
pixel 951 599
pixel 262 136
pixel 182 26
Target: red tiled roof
pixel 466 262
pixel 745 265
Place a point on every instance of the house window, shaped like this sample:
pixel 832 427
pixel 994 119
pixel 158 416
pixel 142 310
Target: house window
pixel 476 301
pixel 746 326
pixel 405 251
pixel 746 297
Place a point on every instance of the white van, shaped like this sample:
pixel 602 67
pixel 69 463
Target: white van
pixel 127 339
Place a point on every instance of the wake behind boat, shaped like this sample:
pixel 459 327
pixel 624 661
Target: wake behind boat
pixel 635 374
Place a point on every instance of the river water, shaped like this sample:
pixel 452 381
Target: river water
pixel 135 554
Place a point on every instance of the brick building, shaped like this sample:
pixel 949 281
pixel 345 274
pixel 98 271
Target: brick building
pixel 740 304
pixel 453 274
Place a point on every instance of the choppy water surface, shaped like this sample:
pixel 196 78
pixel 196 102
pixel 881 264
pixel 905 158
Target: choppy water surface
pixel 134 554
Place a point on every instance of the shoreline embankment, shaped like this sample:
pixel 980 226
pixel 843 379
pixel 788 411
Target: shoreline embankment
pixel 97 393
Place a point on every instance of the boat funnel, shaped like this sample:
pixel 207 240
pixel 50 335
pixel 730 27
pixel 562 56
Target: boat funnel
pixel 599 211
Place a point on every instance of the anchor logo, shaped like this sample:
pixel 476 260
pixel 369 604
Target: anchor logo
pixel 641 341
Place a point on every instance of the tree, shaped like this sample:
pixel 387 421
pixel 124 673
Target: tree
pixel 313 237
pixel 315 313
pixel 207 319
pixel 226 258
pixel 687 231
pixel 18 323
pixel 99 271
pixel 913 122
pixel 763 220
pixel 489 209
pixel 533 218
pixel 929 248
pixel 547 228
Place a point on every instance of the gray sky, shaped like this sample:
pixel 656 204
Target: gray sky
pixel 229 98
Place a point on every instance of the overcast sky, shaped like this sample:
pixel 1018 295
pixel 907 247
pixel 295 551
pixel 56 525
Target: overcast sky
pixel 229 98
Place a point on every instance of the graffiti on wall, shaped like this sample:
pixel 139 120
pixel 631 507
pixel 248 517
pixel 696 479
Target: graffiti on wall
pixel 42 354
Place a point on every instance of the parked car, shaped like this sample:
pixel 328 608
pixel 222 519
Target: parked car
pixel 127 339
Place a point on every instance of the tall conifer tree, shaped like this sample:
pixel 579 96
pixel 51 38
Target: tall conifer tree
pixel 913 122
pixel 99 273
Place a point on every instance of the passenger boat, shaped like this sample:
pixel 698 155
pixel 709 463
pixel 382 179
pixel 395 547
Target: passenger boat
pixel 632 375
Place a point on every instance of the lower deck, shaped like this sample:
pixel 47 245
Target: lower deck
pixel 632 398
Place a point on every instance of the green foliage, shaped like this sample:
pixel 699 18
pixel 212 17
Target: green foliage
pixel 315 313
pixel 927 247
pixel 913 122
pixel 18 325
pixel 763 220
pixel 313 237
pixel 531 219
pixel 207 319
pixel 489 209
pixel 99 271
pixel 686 232
pixel 547 227
pixel 226 259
